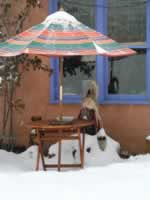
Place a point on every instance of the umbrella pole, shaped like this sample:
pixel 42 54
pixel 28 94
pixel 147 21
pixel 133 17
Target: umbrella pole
pixel 61 88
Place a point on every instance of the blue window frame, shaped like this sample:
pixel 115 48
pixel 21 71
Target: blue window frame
pixel 101 63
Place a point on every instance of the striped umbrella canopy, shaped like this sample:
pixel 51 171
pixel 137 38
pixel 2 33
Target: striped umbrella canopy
pixel 60 34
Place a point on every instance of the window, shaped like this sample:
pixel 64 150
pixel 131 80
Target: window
pixel 127 76
pixel 126 20
pixel 78 70
pixel 126 23
pixel 123 80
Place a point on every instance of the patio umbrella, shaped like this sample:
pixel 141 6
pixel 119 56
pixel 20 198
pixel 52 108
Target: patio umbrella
pixel 60 34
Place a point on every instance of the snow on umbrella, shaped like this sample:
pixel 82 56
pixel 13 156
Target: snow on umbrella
pixel 60 34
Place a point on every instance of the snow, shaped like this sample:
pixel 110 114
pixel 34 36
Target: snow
pixel 105 176
pixel 95 157
pixel 99 49
pixel 148 138
pixel 101 133
pixel 61 17
pixel 1 80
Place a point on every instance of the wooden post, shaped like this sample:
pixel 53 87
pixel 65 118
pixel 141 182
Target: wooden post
pixel 61 88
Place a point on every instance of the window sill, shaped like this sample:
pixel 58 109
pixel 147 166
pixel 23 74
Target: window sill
pixel 77 100
pixel 129 102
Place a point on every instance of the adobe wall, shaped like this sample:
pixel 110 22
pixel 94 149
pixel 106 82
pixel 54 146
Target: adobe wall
pixel 128 124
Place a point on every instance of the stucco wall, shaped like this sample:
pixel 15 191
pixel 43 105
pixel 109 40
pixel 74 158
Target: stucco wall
pixel 128 124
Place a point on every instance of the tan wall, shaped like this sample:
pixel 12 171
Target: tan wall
pixel 128 124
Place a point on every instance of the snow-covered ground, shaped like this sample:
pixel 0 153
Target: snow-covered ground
pixel 105 175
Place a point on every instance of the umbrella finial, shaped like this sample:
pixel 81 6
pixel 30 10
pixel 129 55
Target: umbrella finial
pixel 61 8
pixel 60 5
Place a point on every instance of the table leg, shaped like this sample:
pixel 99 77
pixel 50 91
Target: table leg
pixel 41 150
pixel 59 155
pixel 38 159
pixel 80 147
pixel 83 147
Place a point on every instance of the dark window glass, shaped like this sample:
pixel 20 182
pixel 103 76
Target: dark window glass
pixel 84 11
pixel 127 75
pixel 127 20
pixel 127 24
pixel 79 70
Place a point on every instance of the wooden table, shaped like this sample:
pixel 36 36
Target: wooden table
pixel 47 131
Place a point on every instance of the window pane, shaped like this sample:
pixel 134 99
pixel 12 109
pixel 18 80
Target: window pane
pixel 127 20
pixel 127 75
pixel 83 10
pixel 79 69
